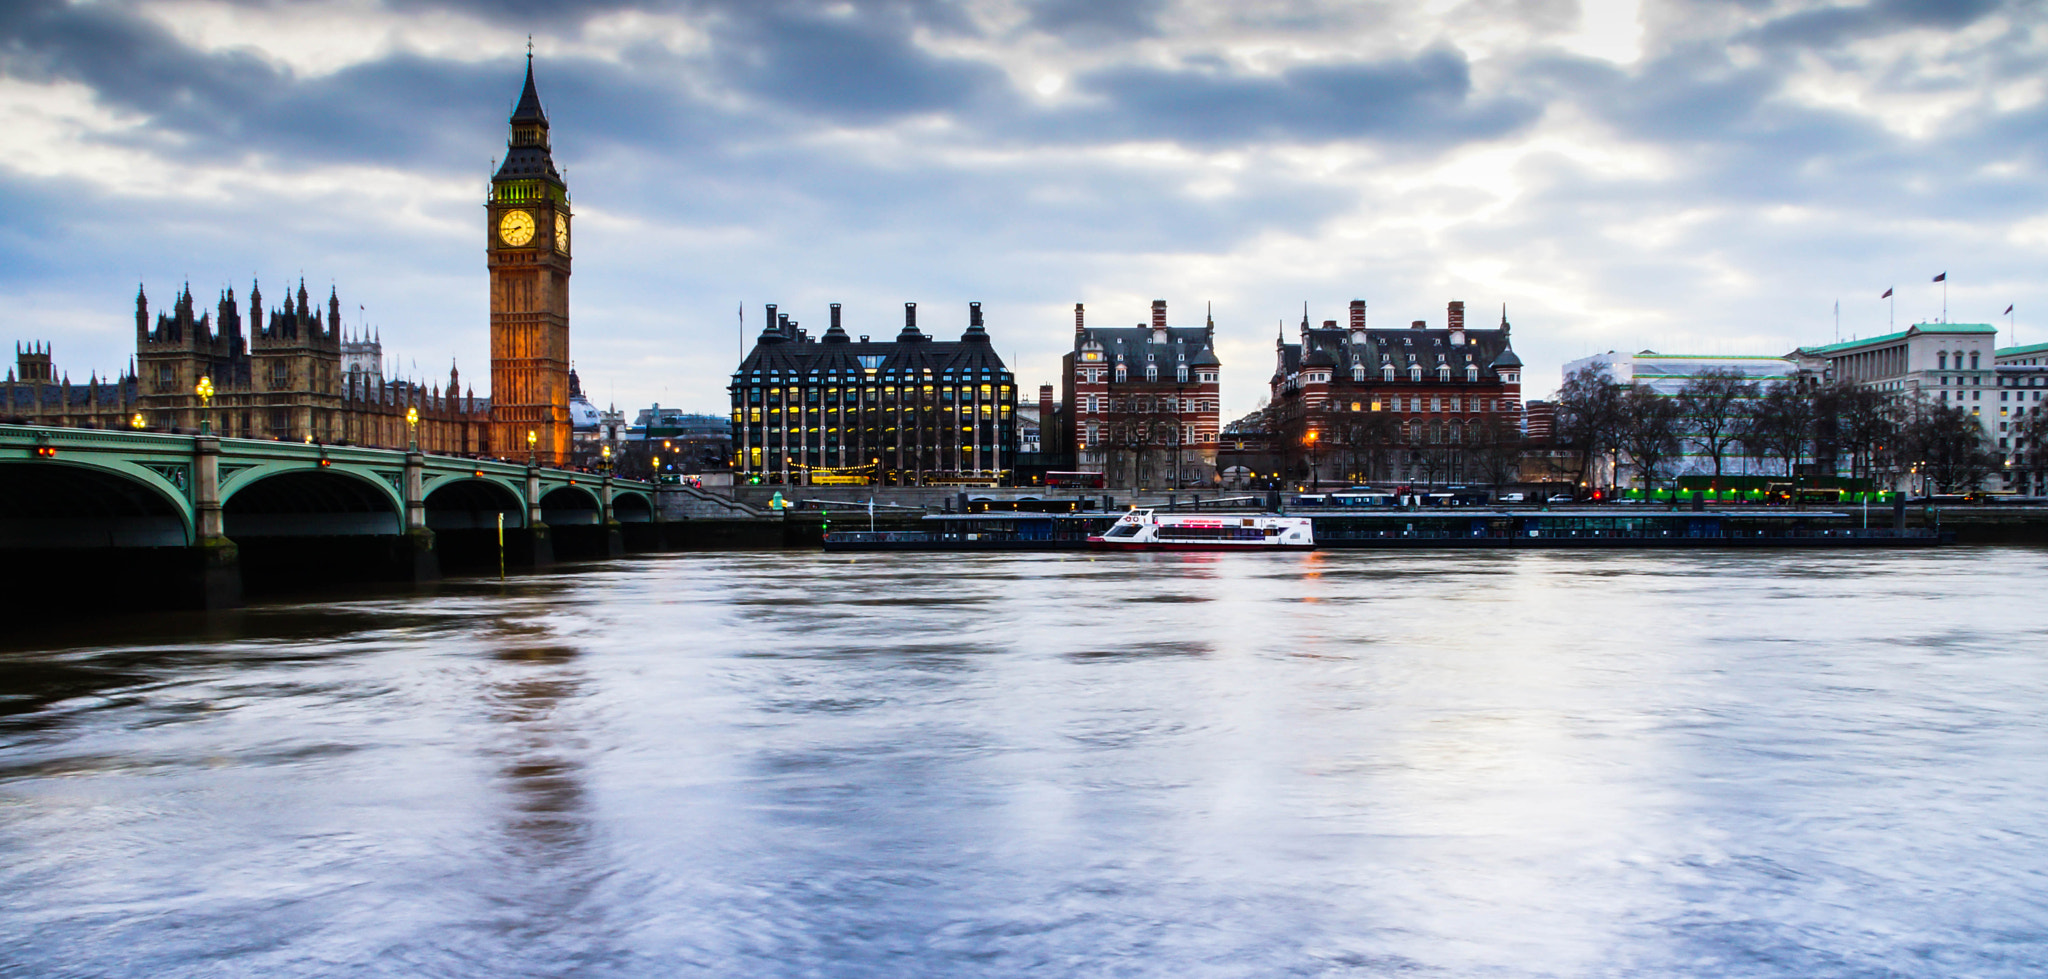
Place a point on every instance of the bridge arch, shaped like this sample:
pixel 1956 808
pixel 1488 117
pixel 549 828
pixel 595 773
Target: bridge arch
pixel 58 504
pixel 632 507
pixel 570 506
pixel 473 504
pixel 310 502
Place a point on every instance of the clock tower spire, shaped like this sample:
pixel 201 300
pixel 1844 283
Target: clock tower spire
pixel 527 243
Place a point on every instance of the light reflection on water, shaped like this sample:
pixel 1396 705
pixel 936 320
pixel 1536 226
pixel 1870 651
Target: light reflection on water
pixel 770 764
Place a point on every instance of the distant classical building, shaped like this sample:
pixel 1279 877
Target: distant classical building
pixel 912 411
pixel 1144 402
pixel 1413 404
pixel 2023 393
pixel 1667 374
pixel 277 376
pixel 1949 363
pixel 35 394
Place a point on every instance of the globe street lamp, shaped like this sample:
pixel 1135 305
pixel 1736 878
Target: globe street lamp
pixel 137 422
pixel 532 439
pixel 205 392
pixel 412 426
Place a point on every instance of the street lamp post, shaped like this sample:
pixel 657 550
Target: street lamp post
pixel 532 439
pixel 1314 480
pixel 412 427
pixel 205 392
pixel 606 453
pixel 138 422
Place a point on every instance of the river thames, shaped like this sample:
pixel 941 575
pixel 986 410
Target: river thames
pixel 793 764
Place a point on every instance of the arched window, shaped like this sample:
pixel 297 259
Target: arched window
pixel 1436 433
pixel 1119 373
pixel 1457 432
pixel 1151 372
pixel 1181 373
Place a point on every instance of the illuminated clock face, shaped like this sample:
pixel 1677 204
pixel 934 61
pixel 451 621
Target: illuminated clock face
pixel 562 233
pixel 515 228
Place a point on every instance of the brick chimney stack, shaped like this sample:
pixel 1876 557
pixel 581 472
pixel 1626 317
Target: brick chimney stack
pixel 1159 314
pixel 1454 318
pixel 1044 408
pixel 1357 315
pixel 1078 325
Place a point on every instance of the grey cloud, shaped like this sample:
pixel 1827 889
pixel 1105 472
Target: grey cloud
pixel 862 66
pixel 1425 100
pixel 1831 26
pixel 1089 22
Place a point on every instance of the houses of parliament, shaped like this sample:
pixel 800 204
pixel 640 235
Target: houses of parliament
pixel 293 371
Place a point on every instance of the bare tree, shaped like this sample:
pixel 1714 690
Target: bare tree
pixel 2030 448
pixel 1588 415
pixel 1713 408
pixel 1495 449
pixel 1946 444
pixel 1781 423
pixel 1852 424
pixel 1649 433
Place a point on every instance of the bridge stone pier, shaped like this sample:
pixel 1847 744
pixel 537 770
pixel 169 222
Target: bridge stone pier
pixel 92 518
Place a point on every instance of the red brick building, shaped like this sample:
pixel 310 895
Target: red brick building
pixel 1144 403
pixel 1414 405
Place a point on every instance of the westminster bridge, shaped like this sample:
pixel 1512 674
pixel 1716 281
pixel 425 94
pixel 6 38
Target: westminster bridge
pixel 185 520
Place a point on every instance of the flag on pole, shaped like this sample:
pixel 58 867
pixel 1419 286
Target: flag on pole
pixel 1887 294
pixel 2008 311
pixel 1943 277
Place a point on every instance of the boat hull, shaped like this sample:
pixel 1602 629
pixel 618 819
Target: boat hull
pixel 1112 545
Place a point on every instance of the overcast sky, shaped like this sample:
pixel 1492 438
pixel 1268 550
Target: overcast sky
pixel 1623 174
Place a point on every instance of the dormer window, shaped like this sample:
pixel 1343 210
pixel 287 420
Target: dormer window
pixel 1443 372
pixel 1357 373
pixel 1471 373
pixel 1151 372
pixel 1387 372
pixel 1120 373
pixel 1181 373
pixel 1415 372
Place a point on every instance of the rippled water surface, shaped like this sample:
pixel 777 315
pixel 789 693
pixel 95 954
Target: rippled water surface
pixel 791 764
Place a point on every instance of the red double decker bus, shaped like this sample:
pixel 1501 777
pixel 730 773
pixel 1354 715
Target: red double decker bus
pixel 1076 481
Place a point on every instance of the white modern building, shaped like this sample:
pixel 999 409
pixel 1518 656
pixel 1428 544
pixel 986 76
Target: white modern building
pixel 1667 374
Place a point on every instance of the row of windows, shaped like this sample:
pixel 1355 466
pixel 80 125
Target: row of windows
pixel 1941 360
pixel 2020 382
pixel 1435 405
pixel 1097 433
pixel 754 432
pixel 1180 374
pixel 756 414
pixel 1094 404
pixel 872 395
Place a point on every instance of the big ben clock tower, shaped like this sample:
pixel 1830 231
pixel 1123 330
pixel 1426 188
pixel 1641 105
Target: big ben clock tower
pixel 528 230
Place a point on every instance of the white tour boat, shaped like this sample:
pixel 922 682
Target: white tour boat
pixel 1147 530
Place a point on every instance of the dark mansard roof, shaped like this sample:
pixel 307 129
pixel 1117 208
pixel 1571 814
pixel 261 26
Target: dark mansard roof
pixel 782 349
pixel 1487 349
pixel 1131 345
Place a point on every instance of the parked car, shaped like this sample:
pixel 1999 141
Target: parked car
pixel 1512 498
pixel 1561 498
